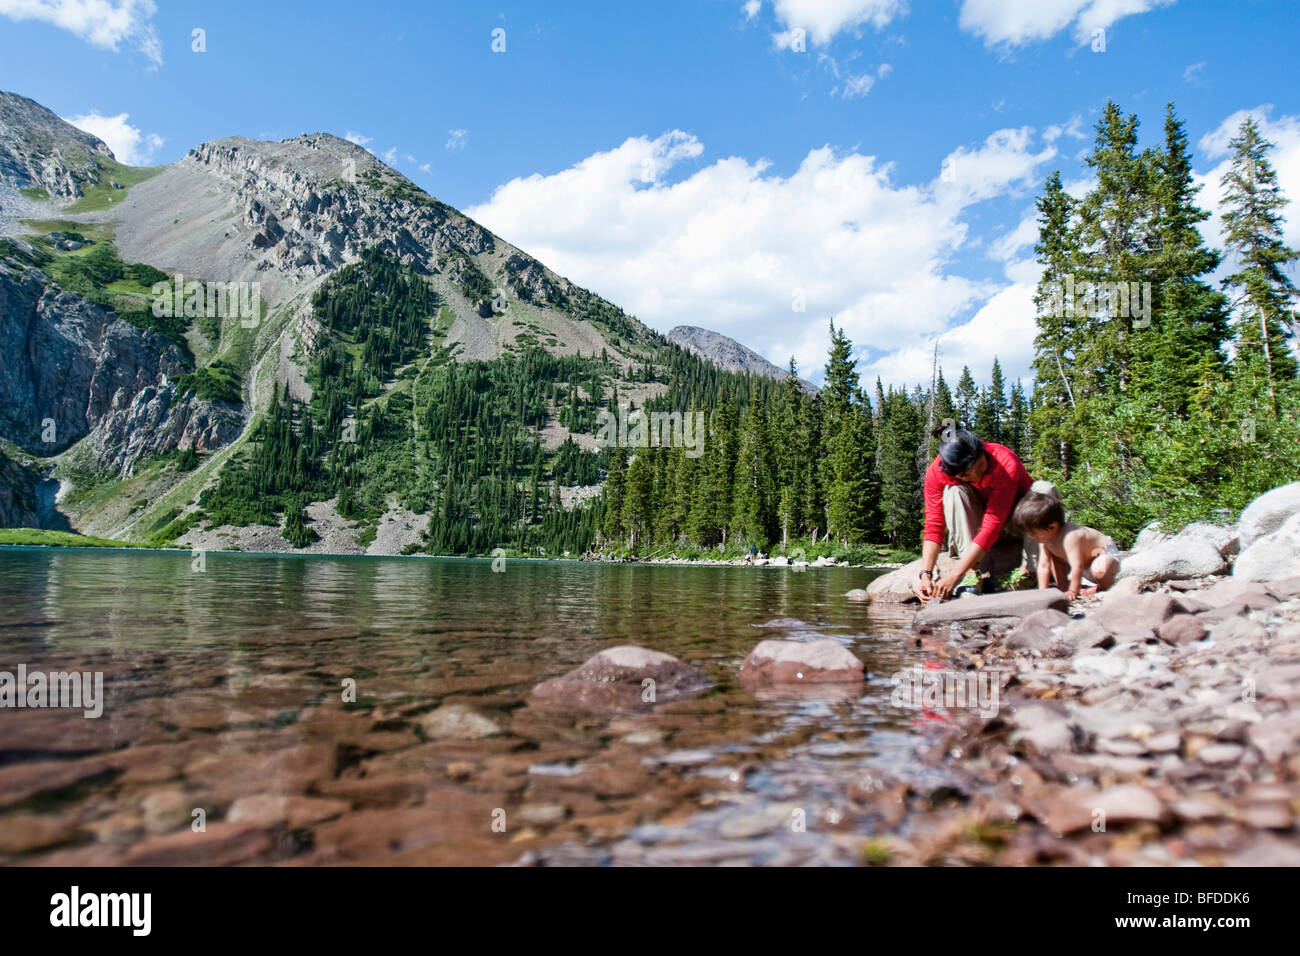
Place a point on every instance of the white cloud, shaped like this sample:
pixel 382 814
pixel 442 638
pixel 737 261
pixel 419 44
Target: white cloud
pixel 1074 128
pixel 751 8
pixel 821 20
pixel 103 23
pixel 1004 328
pixel 128 144
pixel 390 156
pixel 358 138
pixel 1192 73
pixel 1016 22
pixel 456 138
pixel 1008 245
pixel 884 70
pixel 426 168
pixel 730 245
pixel 858 85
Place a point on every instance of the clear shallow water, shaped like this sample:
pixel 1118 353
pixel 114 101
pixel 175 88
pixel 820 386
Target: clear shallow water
pixel 224 694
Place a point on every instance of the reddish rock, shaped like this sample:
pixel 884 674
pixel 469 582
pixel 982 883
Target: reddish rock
pixel 1010 604
pixel 272 809
pixel 378 791
pixel 1224 612
pixel 1137 612
pixel 1254 595
pixel 1286 589
pixel 1081 808
pixel 25 832
pixel 21 781
pixel 1181 629
pixel 794 662
pixel 1237 630
pixel 1043 631
pixel 623 678
pixel 220 844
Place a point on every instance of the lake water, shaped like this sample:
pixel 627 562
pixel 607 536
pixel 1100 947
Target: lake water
pixel 223 705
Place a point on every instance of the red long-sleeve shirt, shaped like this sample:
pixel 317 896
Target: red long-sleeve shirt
pixel 1005 481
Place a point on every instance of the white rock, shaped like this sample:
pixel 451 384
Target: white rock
pixel 1269 512
pixel 1150 536
pixel 1274 556
pixel 1192 557
pixel 1225 540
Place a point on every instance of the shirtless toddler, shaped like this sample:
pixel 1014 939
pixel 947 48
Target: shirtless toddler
pixel 1067 551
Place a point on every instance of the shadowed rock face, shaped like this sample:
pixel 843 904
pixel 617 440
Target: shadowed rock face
pixel 73 369
pixel 615 679
pixel 798 662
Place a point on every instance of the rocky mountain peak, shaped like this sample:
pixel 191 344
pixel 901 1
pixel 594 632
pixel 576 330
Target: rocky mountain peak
pixel 39 150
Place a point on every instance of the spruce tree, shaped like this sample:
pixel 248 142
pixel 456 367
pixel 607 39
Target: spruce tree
pixel 1252 224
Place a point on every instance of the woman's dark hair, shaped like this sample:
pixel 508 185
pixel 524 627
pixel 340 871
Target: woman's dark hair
pixel 1038 511
pixel 958 451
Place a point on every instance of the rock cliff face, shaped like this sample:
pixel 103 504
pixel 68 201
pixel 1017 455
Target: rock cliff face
pixel 39 150
pixel 73 369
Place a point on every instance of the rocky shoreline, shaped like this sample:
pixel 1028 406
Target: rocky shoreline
pixel 1157 723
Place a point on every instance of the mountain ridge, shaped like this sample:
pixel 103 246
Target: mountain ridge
pixel 287 216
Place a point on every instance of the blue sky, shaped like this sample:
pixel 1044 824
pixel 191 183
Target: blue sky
pixel 707 162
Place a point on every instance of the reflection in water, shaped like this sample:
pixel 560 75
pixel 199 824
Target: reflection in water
pixel 224 690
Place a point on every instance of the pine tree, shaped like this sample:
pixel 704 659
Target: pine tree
pixel 1252 223
pixel 753 499
pixel 966 399
pixel 854 496
pixel 1055 407
pixel 1183 350
pixel 900 436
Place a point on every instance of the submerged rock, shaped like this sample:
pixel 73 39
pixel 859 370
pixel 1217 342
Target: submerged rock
pixel 621 678
pixel 457 722
pixel 794 662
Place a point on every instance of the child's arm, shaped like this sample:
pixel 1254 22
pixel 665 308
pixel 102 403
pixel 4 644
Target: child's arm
pixel 1044 567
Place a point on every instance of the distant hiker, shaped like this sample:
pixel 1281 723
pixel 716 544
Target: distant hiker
pixel 1070 552
pixel 971 488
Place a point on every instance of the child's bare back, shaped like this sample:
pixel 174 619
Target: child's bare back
pixel 1068 551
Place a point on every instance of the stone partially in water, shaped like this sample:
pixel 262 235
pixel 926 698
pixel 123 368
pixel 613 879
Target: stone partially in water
pixel 1011 604
pixel 623 678
pixel 794 662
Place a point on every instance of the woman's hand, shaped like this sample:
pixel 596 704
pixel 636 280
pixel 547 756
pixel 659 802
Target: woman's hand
pixel 944 587
pixel 924 589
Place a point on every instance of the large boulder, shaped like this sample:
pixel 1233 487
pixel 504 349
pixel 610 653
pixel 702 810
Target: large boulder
pixel 1269 512
pixel 1227 541
pixel 896 586
pixel 1009 606
pixel 626 677
pixel 795 662
pixel 1192 557
pixel 1150 536
pixel 1273 556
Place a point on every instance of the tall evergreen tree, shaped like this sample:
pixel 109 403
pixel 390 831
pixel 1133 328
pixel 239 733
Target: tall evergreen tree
pixel 1252 223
